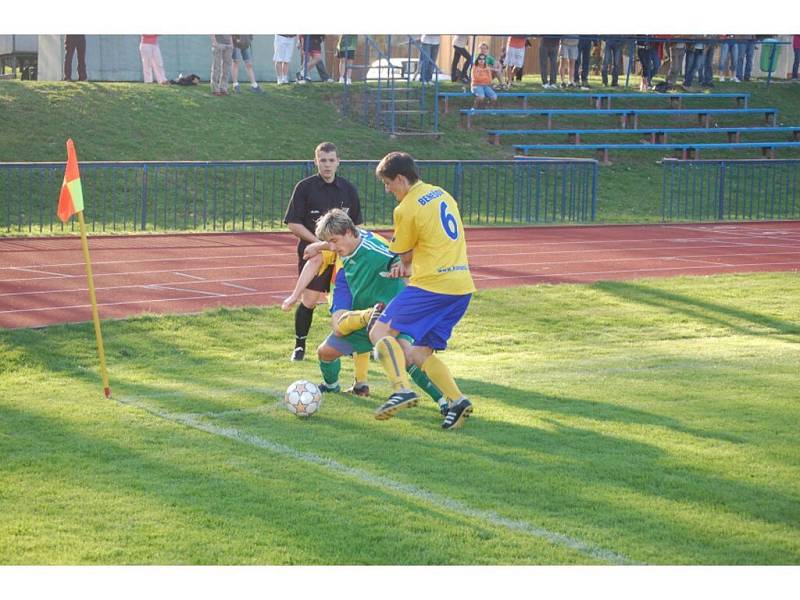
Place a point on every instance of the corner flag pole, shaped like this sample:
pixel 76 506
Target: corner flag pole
pixel 70 202
pixel 95 313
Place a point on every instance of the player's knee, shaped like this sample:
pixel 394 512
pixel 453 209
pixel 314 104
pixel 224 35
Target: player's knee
pixel 379 331
pixel 327 353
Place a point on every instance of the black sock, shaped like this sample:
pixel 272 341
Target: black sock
pixel 302 324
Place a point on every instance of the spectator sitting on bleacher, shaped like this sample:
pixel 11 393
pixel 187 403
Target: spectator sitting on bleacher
pixel 482 82
pixel 494 66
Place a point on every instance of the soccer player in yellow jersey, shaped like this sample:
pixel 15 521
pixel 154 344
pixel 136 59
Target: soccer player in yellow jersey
pixel 429 237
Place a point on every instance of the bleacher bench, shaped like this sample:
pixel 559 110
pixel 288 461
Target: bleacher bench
pixel 688 150
pixel 703 114
pixel 603 100
pixel 658 135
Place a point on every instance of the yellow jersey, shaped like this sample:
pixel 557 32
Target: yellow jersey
pixel 427 221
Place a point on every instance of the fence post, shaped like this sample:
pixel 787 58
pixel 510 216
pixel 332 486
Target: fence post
pixel 721 195
pixel 144 197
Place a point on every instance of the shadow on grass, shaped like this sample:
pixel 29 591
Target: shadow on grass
pixel 219 511
pixel 702 310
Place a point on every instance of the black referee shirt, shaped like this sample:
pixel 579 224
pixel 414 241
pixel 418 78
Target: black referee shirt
pixel 313 197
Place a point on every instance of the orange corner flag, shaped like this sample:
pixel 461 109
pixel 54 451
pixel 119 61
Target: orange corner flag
pixel 71 199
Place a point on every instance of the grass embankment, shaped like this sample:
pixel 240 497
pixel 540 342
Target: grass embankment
pixel 124 121
pixel 653 420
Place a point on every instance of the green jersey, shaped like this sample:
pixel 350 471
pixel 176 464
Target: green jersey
pixel 362 271
pixel 346 42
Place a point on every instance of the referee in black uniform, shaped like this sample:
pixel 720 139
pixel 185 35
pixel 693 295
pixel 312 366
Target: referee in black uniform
pixel 312 198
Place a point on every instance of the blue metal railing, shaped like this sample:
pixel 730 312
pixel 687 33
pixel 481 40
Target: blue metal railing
pixel 252 195
pixel 721 190
pixel 392 100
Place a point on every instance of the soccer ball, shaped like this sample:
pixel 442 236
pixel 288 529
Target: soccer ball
pixel 303 398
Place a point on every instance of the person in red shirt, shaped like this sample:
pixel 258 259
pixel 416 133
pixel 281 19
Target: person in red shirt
pixel 152 63
pixel 515 55
pixel 796 48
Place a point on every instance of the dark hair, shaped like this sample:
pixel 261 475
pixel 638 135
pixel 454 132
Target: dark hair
pixel 480 57
pixel 326 147
pixel 398 163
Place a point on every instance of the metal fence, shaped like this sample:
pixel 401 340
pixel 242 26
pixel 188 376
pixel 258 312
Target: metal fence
pixel 718 190
pixel 252 195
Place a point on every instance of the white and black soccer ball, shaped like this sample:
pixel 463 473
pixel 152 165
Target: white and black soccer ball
pixel 303 398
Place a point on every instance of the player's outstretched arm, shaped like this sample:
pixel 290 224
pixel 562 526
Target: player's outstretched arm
pixel 310 270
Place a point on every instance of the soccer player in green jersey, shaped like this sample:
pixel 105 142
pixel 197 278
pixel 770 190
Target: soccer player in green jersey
pixel 359 285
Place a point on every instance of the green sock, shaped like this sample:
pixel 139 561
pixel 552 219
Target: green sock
pixel 330 370
pixel 424 382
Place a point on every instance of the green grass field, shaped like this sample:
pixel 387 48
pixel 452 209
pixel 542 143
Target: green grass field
pixel 650 421
pixel 131 121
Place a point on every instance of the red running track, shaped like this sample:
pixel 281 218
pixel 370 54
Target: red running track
pixel 42 280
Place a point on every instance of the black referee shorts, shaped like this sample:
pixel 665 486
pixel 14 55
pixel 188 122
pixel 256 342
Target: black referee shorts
pixel 320 283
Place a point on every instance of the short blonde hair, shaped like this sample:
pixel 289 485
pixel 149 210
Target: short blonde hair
pixel 334 222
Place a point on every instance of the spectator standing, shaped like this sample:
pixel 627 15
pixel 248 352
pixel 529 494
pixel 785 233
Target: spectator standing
pixel 694 63
pixel 581 73
pixel 744 66
pixel 728 58
pixel 647 53
pixel 346 53
pixel 482 82
pixel 677 53
pixel 796 48
pixel 311 53
pixel 460 44
pixel 242 51
pixel 612 58
pixel 707 80
pixel 567 57
pixel 548 60
pixel 428 56
pixel 75 44
pixel 152 63
pixel 222 56
pixel 311 199
pixel 515 55
pixel 282 55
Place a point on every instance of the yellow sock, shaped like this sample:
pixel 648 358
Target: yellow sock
pixel 441 377
pixel 390 353
pixel 353 320
pixel 361 362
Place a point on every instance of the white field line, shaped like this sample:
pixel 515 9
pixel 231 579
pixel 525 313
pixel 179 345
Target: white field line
pixel 728 244
pixel 201 280
pixel 771 234
pixel 38 271
pixel 190 276
pixel 158 286
pixel 156 271
pixel 239 287
pixel 387 484
pixel 130 302
pixel 180 259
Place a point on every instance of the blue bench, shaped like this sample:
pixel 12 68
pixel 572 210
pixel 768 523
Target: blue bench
pixel 703 114
pixel 603 100
pixel 688 150
pixel 658 135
